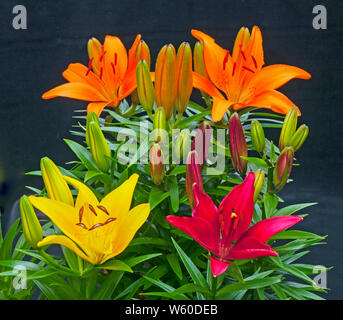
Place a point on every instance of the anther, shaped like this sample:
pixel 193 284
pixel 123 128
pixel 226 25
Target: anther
pixel 92 209
pixel 248 69
pixel 81 225
pixel 226 58
pixel 89 66
pixel 113 68
pixel 254 60
pixel 234 69
pixel 81 214
pixel 102 208
pixel 115 59
pixel 101 72
pixel 110 220
pixel 96 226
pixel 243 55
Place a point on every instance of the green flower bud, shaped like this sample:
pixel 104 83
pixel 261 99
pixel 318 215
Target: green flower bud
pixel 299 137
pixel 92 116
pixel 283 168
pixel 31 227
pixel 145 87
pixel 159 125
pixel 182 144
pixel 259 180
pixel 288 128
pixel 56 187
pixel 257 136
pixel 100 150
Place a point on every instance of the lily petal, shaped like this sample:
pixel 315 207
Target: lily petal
pixel 204 207
pixel 97 107
pixel 218 267
pixel 214 56
pixel 241 201
pixel 118 202
pixel 75 90
pixel 254 49
pixel 273 100
pixel 127 229
pixel 199 229
pixel 219 108
pixel 265 229
pixel 206 85
pixel 65 241
pixel 271 78
pixel 249 248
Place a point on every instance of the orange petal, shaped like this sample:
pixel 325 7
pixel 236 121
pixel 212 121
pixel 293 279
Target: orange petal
pixel 271 78
pixel 273 100
pixel 254 48
pixel 115 57
pixel 241 41
pixel 205 85
pixel 219 108
pixel 75 90
pixel 96 107
pixel 214 57
pixel 77 72
pixel 132 61
pixel 128 85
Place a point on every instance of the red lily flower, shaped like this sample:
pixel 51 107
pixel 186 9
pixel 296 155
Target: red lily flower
pixel 216 229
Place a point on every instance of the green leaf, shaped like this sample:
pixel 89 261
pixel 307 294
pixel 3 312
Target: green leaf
pixel 185 123
pixel 285 211
pixel 148 240
pixel 270 203
pixel 235 272
pixel 156 196
pixel 116 265
pixel 136 260
pixel 83 154
pixel 109 285
pixel 180 169
pixel 174 193
pixel 193 271
pixel 296 234
pixel 257 161
pixel 175 265
pixel 250 284
pixel 167 288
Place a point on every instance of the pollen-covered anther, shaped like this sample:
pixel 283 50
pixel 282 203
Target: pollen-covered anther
pixel 226 58
pixel 96 226
pixel 248 69
pixel 91 208
pixel 254 60
pixel 110 220
pixel 234 68
pixel 102 208
pixel 89 66
pixel 82 225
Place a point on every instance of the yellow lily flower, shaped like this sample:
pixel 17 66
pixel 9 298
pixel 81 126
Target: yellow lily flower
pixel 96 231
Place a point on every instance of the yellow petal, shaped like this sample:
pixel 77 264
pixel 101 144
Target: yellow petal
pixel 128 228
pixel 118 201
pixel 65 241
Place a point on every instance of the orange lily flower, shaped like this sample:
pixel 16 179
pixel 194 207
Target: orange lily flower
pixel 109 77
pixel 242 77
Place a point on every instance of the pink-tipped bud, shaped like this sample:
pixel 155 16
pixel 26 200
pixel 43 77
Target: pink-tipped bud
pixel 157 167
pixel 193 175
pixel 283 168
pixel 201 142
pixel 238 145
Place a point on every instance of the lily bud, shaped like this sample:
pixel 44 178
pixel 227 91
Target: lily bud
pixel 201 142
pixel 199 67
pixel 159 124
pixel 257 136
pixel 238 145
pixel 100 150
pixel 288 128
pixel 184 76
pixel 193 175
pixel 165 79
pixel 31 227
pixel 299 137
pixel 283 168
pixel 242 39
pixel 142 53
pixel 157 167
pixel 258 184
pixel 182 144
pixel 145 87
pixel 94 50
pixel 56 187
pixel 92 116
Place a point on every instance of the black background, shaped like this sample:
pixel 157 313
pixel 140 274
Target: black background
pixel 32 60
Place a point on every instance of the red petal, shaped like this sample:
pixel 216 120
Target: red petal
pixel 266 228
pixel 218 267
pixel 197 228
pixel 241 201
pixel 249 248
pixel 205 208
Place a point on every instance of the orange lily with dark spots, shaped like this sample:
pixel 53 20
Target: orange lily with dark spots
pixel 242 77
pixel 109 77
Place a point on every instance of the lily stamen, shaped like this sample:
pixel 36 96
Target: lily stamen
pixel 254 60
pixel 81 214
pixel 226 58
pixel 248 69
pixel 102 208
pixel 89 66
pixel 91 208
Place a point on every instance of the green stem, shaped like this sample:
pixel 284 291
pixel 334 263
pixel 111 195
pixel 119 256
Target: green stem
pixel 214 287
pixel 55 264
pixel 270 179
pixel 178 119
pixel 130 111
